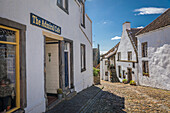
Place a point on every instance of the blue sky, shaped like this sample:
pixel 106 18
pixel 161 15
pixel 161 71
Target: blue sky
pixel 109 15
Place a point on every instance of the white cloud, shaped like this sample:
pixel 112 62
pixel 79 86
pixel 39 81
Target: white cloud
pixel 149 10
pixel 116 38
pixel 104 22
pixel 140 27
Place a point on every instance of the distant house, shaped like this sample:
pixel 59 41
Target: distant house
pixel 96 56
pixel 126 56
pixel 154 53
pixel 108 65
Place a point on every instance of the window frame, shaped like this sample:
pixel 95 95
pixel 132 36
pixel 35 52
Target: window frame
pixel 17 64
pixel 119 56
pixel 83 61
pixel 61 6
pixel 129 55
pixel 145 68
pixel 82 13
pixel 144 49
pixel 119 71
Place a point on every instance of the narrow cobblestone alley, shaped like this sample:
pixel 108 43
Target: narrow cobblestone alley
pixel 116 98
pixel 119 97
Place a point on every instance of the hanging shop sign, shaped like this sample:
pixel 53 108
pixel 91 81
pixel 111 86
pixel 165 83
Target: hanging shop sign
pixel 40 22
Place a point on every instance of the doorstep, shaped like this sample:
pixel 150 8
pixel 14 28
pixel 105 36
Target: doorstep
pixel 67 97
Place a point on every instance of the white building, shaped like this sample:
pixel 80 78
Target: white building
pixel 108 65
pixel 126 56
pixel 154 53
pixel 44 45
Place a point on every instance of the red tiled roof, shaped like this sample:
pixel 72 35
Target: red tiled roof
pixel 162 21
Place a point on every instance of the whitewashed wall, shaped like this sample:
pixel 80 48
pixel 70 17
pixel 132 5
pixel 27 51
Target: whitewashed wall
pixel 103 69
pixel 19 11
pixel 158 57
pixel 125 46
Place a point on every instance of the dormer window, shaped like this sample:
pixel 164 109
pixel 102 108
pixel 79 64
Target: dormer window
pixel 63 4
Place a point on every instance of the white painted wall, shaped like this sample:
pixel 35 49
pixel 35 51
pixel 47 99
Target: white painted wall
pixel 158 57
pixel 19 11
pixel 103 69
pixel 125 46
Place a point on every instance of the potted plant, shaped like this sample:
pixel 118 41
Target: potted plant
pixel 60 93
pixel 132 82
pixel 72 88
pixel 124 81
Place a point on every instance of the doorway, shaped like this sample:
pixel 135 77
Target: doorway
pixel 129 71
pixel 52 69
pixel 67 65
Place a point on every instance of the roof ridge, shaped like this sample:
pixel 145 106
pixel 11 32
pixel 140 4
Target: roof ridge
pixel 140 32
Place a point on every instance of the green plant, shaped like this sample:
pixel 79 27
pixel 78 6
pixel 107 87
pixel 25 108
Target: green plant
pixel 132 82
pixel 124 80
pixel 59 91
pixel 95 72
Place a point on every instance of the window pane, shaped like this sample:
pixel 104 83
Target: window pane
pixel 7 77
pixel 7 35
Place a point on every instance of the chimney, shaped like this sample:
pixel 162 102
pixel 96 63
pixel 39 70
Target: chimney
pixel 126 25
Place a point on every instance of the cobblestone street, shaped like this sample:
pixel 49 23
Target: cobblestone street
pixel 119 97
pixel 116 98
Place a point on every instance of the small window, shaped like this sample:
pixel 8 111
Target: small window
pixel 82 18
pixel 133 64
pixel 124 74
pixel 119 55
pixel 63 4
pixel 83 58
pixel 119 69
pixel 106 73
pixel 145 67
pixel 144 49
pixel 130 56
pixel 106 62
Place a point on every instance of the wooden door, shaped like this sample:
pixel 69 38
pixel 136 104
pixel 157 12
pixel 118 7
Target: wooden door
pixel 129 74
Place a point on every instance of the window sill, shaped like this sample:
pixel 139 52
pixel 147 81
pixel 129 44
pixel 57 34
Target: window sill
pixel 83 25
pixel 82 70
pixel 146 74
pixel 126 61
pixel 61 7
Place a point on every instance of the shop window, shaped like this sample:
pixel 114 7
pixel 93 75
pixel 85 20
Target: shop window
pixel 9 69
pixel 130 56
pixel 83 57
pixel 119 55
pixel 145 68
pixel 119 70
pixel 144 49
pixel 63 4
